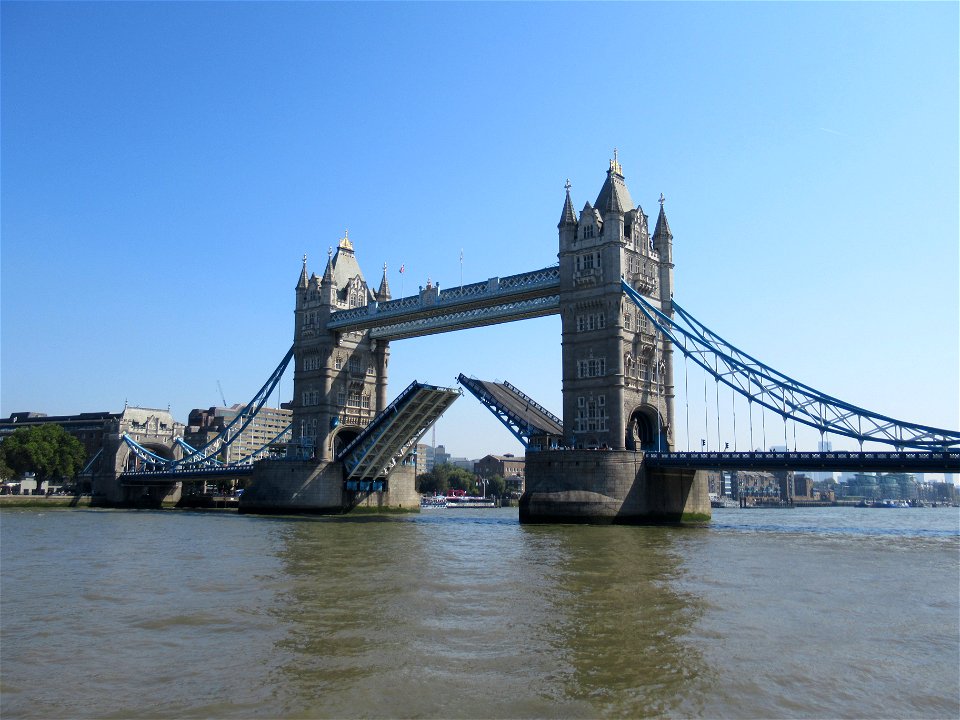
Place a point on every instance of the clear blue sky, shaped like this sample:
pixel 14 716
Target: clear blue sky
pixel 165 167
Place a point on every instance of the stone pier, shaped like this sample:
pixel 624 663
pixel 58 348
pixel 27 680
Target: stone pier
pixel 307 486
pixel 609 486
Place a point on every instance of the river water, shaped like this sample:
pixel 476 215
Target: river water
pixel 828 612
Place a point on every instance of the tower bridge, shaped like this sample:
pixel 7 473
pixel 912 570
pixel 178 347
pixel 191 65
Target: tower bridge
pixel 611 456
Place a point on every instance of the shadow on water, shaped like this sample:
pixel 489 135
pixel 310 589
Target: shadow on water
pixel 473 615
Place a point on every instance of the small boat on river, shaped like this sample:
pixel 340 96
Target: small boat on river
pixel 463 501
pixel 434 502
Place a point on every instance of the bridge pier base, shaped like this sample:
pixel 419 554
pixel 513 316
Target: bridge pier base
pixel 607 487
pixel 285 486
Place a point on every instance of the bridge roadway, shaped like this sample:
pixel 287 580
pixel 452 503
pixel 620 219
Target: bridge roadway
pixel 909 461
pixel 168 477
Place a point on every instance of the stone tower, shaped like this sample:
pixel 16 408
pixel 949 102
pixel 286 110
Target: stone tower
pixel 340 380
pixel 617 372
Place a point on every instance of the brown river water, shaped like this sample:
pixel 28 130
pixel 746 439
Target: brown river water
pixel 819 613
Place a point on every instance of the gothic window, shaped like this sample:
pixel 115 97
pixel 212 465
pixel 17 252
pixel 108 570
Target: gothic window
pixel 626 321
pixel 365 401
pixel 353 400
pixel 354 364
pixel 338 362
pixel 341 398
pixel 594 367
pixel 591 414
pixel 644 369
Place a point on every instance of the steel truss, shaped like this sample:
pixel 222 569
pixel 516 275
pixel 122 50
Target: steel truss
pixel 205 456
pixel 782 394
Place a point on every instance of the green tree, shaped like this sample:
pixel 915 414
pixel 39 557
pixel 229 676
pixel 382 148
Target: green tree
pixel 5 471
pixel 445 477
pixel 46 450
pixel 496 486
pixel 430 484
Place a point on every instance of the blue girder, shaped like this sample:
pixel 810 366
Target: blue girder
pixel 205 456
pixel 782 394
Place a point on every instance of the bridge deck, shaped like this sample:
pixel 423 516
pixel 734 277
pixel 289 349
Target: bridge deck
pixel 523 416
pixel 389 436
pixel 168 477
pixel 913 461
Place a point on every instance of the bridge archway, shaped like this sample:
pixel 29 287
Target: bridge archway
pixel 646 431
pixel 133 462
pixel 343 437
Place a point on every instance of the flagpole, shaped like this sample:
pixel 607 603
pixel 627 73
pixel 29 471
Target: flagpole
pixel 461 268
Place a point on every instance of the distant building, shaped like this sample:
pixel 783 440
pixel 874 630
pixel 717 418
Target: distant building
pixel 803 486
pixel 271 425
pixel 754 484
pixel 88 428
pixel 502 465
pixel 440 455
pixel 424 459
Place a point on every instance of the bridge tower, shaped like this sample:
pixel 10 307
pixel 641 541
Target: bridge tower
pixel 618 391
pixel 617 374
pixel 340 379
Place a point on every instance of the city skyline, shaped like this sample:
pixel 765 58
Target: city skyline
pixel 166 167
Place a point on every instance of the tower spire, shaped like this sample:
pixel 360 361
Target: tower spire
pixel 383 294
pixel 662 232
pixel 302 284
pixel 569 215
pixel 328 271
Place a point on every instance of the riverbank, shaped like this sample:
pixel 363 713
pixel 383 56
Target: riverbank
pixel 44 501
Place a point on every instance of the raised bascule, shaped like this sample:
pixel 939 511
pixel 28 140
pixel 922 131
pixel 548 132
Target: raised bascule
pixel 612 457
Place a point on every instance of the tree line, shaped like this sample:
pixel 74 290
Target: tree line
pixel 445 477
pixel 47 450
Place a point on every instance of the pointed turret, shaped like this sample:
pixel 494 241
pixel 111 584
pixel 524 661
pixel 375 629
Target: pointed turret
pixel 383 294
pixel 328 289
pixel 302 283
pixel 327 278
pixel 661 234
pixel 569 215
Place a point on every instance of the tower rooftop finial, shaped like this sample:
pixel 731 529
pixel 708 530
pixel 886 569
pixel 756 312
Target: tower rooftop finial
pixel 615 166
pixel 662 199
